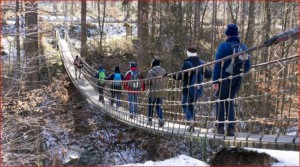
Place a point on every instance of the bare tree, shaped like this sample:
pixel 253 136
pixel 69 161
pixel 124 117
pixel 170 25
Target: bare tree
pixel 214 29
pixel 251 25
pixel 101 23
pixel 197 19
pixel 83 50
pixel 234 19
pixel 202 18
pixel 143 32
pixel 17 73
pixel 31 46
pixel 153 19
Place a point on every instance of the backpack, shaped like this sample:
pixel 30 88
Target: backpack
pixel 117 80
pixel 135 83
pixel 78 63
pixel 196 90
pixel 237 64
pixel 102 77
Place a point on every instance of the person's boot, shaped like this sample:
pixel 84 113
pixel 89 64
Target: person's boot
pixel 149 123
pixel 230 132
pixel 220 130
pixel 161 123
pixel 191 128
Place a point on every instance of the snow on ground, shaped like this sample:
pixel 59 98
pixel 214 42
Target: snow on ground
pixel 181 160
pixel 285 158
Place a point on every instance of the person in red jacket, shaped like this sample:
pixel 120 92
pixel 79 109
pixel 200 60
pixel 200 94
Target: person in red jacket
pixel 134 85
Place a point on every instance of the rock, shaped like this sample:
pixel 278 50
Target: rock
pixel 241 157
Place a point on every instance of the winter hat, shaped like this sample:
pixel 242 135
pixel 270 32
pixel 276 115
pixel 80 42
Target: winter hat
pixel 100 68
pixel 231 30
pixel 191 51
pixel 117 69
pixel 133 64
pixel 155 62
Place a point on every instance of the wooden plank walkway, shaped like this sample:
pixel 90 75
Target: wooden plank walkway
pixel 170 128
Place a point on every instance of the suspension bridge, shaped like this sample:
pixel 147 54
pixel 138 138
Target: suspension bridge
pixel 266 106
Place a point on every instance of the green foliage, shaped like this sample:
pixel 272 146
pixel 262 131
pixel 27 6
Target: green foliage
pixel 39 163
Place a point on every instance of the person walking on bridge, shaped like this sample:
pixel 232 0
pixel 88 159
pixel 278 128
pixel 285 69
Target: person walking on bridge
pixel 78 65
pixel 116 86
pixel 191 90
pixel 101 76
pixel 133 85
pixel 226 87
pixel 156 92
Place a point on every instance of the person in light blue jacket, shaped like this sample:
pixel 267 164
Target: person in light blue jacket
pixel 228 88
pixel 116 86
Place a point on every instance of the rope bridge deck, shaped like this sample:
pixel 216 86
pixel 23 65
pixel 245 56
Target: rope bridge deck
pixel 255 125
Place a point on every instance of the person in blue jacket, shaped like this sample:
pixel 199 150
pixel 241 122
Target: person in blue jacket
pixel 116 86
pixel 188 99
pixel 227 88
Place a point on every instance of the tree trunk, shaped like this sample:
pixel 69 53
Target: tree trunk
pixel 101 26
pixel 202 19
pixel 17 73
pixel 72 8
pixel 143 34
pixel 84 48
pixel 153 23
pixel 242 22
pixel 55 11
pixel 99 22
pixel 267 29
pixel 213 32
pixel 231 12
pixel 65 8
pixel 31 47
pixel 249 41
pixel 197 21
pixel 188 23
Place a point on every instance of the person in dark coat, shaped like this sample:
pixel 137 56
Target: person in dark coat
pixel 227 88
pixel 188 99
pixel 116 86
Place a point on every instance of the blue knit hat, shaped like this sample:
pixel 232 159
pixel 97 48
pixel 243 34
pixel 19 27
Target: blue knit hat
pixel 232 30
pixel 133 64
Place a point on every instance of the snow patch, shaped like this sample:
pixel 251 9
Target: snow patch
pixel 285 158
pixel 181 160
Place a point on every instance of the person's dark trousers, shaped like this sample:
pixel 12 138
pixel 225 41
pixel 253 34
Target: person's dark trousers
pixel 116 95
pixel 188 107
pixel 100 90
pixel 157 102
pixel 227 90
